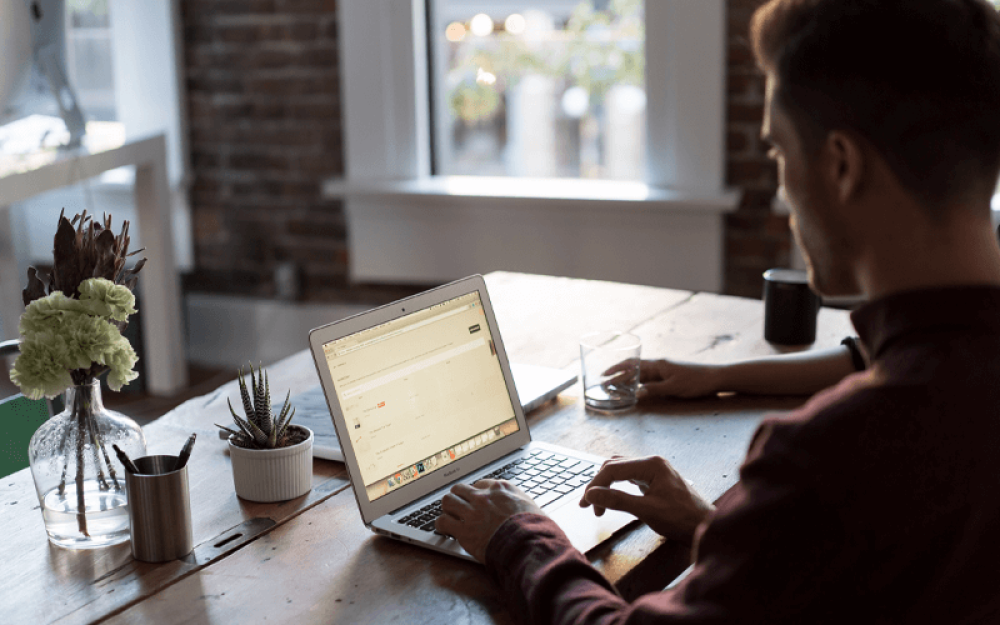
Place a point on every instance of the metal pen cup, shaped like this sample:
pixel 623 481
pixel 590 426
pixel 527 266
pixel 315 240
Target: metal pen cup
pixel 159 509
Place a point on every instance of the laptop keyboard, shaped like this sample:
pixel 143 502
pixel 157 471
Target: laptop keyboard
pixel 545 476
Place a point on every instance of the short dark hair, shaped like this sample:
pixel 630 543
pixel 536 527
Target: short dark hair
pixel 918 79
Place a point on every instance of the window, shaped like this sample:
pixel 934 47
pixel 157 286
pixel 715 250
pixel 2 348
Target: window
pixel 108 43
pixel 411 219
pixel 89 58
pixel 554 88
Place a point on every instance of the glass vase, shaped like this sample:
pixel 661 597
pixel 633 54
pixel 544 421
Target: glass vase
pixel 78 477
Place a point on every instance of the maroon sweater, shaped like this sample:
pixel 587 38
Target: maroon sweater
pixel 878 501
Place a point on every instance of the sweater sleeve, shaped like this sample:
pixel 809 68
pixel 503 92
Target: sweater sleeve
pixel 764 528
pixel 544 578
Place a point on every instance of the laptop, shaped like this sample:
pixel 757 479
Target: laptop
pixel 535 386
pixel 422 397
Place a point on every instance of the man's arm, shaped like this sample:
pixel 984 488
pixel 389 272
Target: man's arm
pixel 801 373
pixel 768 526
pixel 669 504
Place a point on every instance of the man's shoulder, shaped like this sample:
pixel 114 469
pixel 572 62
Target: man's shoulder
pixel 831 417
pixel 871 430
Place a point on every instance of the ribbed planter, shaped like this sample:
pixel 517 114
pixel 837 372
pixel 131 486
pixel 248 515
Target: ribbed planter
pixel 267 475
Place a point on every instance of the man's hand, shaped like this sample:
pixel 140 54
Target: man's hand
pixel 472 514
pixel 666 378
pixel 669 505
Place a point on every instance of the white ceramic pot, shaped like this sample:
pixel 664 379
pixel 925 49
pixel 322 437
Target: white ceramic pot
pixel 267 475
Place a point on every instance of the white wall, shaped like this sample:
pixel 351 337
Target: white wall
pixel 228 332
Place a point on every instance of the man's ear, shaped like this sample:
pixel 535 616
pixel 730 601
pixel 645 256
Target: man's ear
pixel 845 167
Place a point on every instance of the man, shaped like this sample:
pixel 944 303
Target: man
pixel 879 500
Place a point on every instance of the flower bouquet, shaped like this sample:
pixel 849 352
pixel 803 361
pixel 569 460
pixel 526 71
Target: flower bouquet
pixel 70 335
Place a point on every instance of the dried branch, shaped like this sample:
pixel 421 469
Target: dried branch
pixel 84 248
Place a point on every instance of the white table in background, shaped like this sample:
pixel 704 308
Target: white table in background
pixel 24 176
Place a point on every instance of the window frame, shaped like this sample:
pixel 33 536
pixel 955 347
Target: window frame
pixel 442 153
pixel 387 113
pixel 385 99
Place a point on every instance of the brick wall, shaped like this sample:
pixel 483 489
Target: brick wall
pixel 756 239
pixel 264 114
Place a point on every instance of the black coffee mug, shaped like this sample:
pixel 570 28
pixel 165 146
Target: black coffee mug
pixel 790 307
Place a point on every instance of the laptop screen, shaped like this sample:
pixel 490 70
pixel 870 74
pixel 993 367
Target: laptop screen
pixel 420 391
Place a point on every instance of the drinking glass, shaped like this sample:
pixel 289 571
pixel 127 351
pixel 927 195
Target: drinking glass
pixel 610 364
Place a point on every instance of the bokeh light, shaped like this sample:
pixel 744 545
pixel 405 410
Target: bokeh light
pixel 575 102
pixel 455 32
pixel 515 24
pixel 484 77
pixel 481 25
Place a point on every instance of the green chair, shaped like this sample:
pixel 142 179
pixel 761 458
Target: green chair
pixel 19 418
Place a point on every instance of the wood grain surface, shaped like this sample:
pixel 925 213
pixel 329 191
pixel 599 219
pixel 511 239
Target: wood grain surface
pixel 42 583
pixel 312 560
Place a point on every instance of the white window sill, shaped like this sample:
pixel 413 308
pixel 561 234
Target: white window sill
pixel 441 228
pixel 549 192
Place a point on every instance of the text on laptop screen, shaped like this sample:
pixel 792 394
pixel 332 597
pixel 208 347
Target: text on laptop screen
pixel 420 391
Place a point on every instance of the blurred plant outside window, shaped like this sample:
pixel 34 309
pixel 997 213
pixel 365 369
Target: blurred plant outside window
pixel 550 88
pixel 88 58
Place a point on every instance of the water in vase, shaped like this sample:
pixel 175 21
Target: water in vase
pixel 105 516
pixel 74 448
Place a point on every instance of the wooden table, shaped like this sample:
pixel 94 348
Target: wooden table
pixel 311 560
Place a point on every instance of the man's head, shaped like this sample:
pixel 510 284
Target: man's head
pixel 911 84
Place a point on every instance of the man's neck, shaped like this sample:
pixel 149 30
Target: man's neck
pixel 923 253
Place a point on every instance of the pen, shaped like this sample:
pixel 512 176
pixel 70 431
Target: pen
pixel 126 462
pixel 182 458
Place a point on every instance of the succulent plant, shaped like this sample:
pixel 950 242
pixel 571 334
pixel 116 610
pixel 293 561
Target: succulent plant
pixel 261 429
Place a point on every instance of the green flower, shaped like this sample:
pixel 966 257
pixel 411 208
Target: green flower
pixel 119 300
pixel 48 313
pixel 60 334
pixel 121 361
pixel 90 340
pixel 40 370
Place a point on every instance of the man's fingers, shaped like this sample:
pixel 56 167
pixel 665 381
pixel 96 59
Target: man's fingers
pixel 626 370
pixel 447 524
pixel 584 502
pixel 467 492
pixel 659 389
pixel 601 497
pixel 625 365
pixel 612 459
pixel 455 503
pixel 643 486
pixel 641 469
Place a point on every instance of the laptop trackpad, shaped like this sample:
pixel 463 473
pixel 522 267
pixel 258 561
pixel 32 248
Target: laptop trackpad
pixel 586 530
